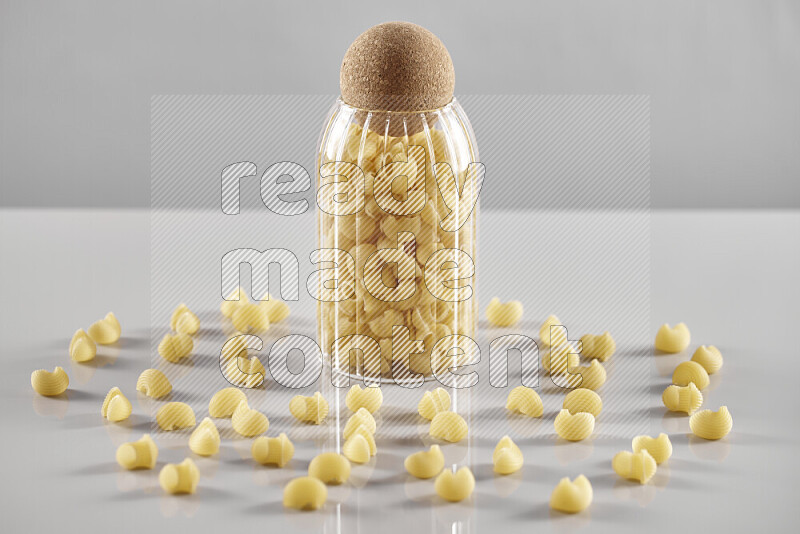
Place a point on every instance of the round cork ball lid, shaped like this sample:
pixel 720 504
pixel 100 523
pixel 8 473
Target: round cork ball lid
pixel 397 66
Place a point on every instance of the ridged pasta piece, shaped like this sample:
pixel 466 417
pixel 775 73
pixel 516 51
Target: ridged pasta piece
pixel 175 416
pixel 560 360
pixel 449 426
pixel 175 347
pixel 455 487
pixel 105 331
pixel 711 425
pixel 503 314
pixel 234 348
pixel 305 493
pixel 433 402
pixel 572 497
pixel 369 398
pixel 116 407
pixel 205 438
pixel 330 467
pixel 362 417
pixel 49 384
pixel 246 372
pixel 526 401
pixel 507 457
pixel 544 332
pixel 234 300
pixel 687 372
pixel 82 348
pixel 593 376
pixel 225 401
pixel 638 466
pixel 184 321
pixel 250 317
pixel 248 422
pixel 141 454
pixel 598 347
pixel 277 310
pixel 272 451
pixel 709 357
pixel 179 478
pixel 153 383
pixel 313 409
pixel 673 339
pixel 583 400
pixel 575 427
pixel 660 448
pixel 364 432
pixel 425 464
pixel 682 398
pixel 356 449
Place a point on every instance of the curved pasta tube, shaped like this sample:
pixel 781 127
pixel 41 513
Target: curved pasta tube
pixel 560 361
pixel 425 464
pixel 669 339
pixel 572 497
pixel 575 427
pixel 688 372
pixel 525 401
pixel 711 425
pixel 175 416
pixel 179 478
pixel 369 398
pixel 49 384
pixel 356 449
pixel 249 422
pixel 660 448
pixel 234 348
pixel 234 300
pixel 594 375
pixel 205 438
pixel 184 321
pixel 455 487
pixel 225 401
pixel 638 466
pixel 116 407
pixel 105 331
pixel 507 457
pixel 82 348
pixel 682 399
pixel 433 402
pixel 246 372
pixel 330 467
pixel 141 454
pixel 503 315
pixel 312 409
pixel 545 333
pixel 153 383
pixel 272 451
pixel 599 347
pixel 250 317
pixel 583 400
pixel 449 426
pixel 361 418
pixel 709 357
pixel 175 347
pixel 364 432
pixel 305 493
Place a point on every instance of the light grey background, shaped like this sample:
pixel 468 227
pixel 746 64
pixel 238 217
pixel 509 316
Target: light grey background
pixel 77 78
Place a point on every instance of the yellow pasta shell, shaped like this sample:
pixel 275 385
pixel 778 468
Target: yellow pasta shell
pixel 330 467
pixel 660 448
pixel 507 457
pixel 425 464
pixel 544 332
pixel 682 398
pixel 433 402
pixel 449 426
pixel 175 347
pixel 709 357
pixel 248 422
pixel 312 409
pixel 140 454
pixel 639 466
pixel 205 438
pixel 361 417
pixel 116 407
pixel 175 416
pixel 369 398
pixel 273 451
pixel 708 424
pixel 225 401
pixel 234 300
pixel 357 449
pixel 575 427
pixel 82 348
pixel 672 340
pixel 455 487
pixel 599 347
pixel 153 383
pixel 105 331
pixel 687 372
pixel 526 401
pixel 305 493
pixel 504 315
pixel 49 384
pixel 179 478
pixel 572 497
pixel 583 400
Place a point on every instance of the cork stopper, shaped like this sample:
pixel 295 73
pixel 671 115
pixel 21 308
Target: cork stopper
pixel 397 66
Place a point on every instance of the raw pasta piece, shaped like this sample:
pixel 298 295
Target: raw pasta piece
pixel 638 466
pixel 246 372
pixel 361 417
pixel 330 467
pixel 455 487
pixel 175 416
pixel 560 360
pixel 545 332
pixel 273 451
pixel 709 357
pixel 225 401
pixel 711 425
pixel 369 398
pixel 599 347
pixel 175 347
pixel 583 400
pixel 234 348
pixel 248 422
pixel 153 383
pixel 687 372
pixel 184 321
pixel 116 407
pixel 357 449
pixel 82 348
pixel 234 300
pixel 277 310
pixel 364 432
pixel 449 426
pixel 50 384
pixel 140 454
pixel 503 315
pixel 179 478
pixel 594 375
pixel 425 464
pixel 507 457
pixel 305 493
pixel 205 438
pixel 575 427
pixel 525 401
pixel 572 497
pixel 105 331
pixel 433 402
pixel 312 409
pixel 673 339
pixel 250 317
pixel 660 448
pixel 682 399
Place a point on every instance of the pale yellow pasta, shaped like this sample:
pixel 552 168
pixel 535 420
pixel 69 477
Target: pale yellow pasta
pixel 362 417
pixel 234 348
pixel 116 407
pixel 449 426
pixel 368 436
pixel 660 448
pixel 682 399
pixel 575 427
pixel 560 360
pixel 175 347
pixel 593 375
pixel 433 402
pixel 709 357
pixel 248 422
pixel 330 467
pixel 250 317
pixel 638 466
pixel 425 464
pixel 234 300
pixel 141 454
pixel 225 401
pixel 272 451
pixel 105 331
pixel 369 398
pixel 184 321
pixel 690 371
pixel 175 416
pixel 599 347
pixel 455 487
pixel 507 457
pixel 583 400
pixel 305 493
pixel 179 478
pixel 205 438
pixel 313 409
pixel 277 310
pixel 49 384
pixel 525 401
pixel 503 315
pixel 708 424
pixel 82 348
pixel 545 332
pixel 153 383
pixel 669 339
pixel 572 497
pixel 246 372
pixel 357 449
